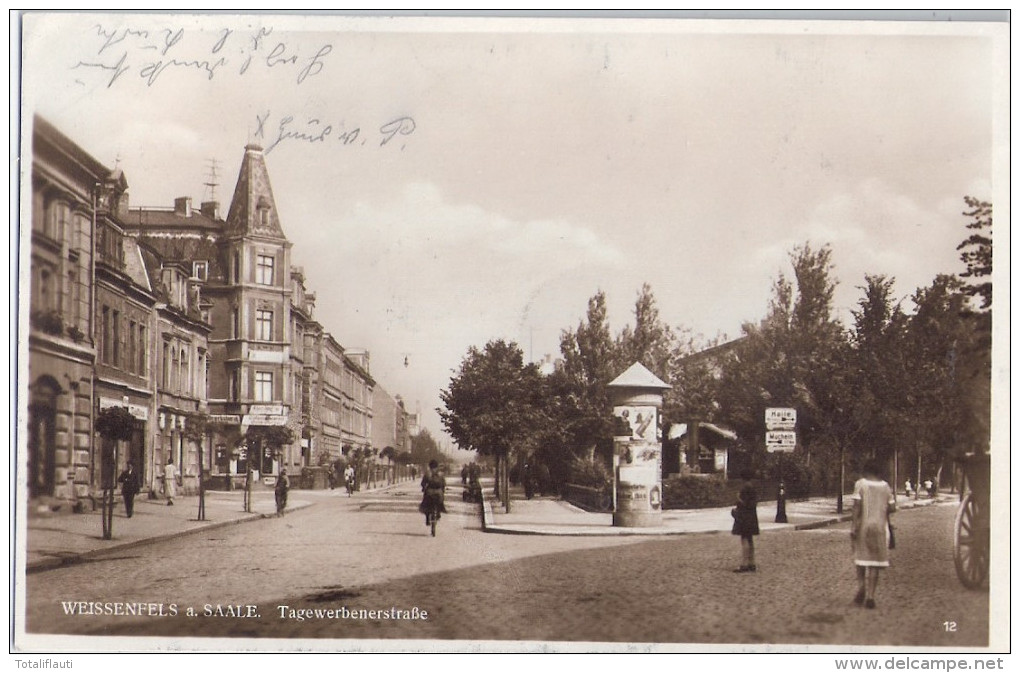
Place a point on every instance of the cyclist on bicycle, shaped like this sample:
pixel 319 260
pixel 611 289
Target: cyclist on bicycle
pixel 433 487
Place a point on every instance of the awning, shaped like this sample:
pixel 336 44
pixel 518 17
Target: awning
pixel 680 430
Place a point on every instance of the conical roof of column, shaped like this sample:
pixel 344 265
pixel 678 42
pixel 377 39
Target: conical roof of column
pixel 253 192
pixel 638 376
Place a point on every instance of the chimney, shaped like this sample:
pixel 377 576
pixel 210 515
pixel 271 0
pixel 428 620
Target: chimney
pixel 122 207
pixel 211 209
pixel 182 206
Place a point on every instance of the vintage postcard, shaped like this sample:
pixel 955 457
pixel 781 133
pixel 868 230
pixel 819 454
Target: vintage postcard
pixel 511 334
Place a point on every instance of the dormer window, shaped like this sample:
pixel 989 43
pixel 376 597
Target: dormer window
pixel 200 270
pixel 262 212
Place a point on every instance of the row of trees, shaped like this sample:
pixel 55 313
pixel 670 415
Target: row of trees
pixel 904 380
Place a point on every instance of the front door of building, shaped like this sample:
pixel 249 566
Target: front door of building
pixel 42 449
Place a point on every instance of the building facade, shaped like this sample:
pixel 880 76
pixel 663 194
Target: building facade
pixel 100 306
pixel 196 323
pixel 61 320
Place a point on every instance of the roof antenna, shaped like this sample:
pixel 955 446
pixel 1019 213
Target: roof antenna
pixel 211 182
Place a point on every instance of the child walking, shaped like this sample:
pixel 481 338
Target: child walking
pixel 745 523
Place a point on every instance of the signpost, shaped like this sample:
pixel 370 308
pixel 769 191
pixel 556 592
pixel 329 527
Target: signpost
pixel 780 441
pixel 780 437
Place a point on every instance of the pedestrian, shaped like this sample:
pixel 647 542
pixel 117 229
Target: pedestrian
pixel 908 488
pixel 873 502
pixel 349 477
pixel 529 489
pixel 129 488
pixel 745 522
pixel 282 489
pixel 331 476
pixel 464 474
pixel 170 477
pixel 928 488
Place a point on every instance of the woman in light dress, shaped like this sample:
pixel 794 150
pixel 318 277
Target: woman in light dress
pixel 873 502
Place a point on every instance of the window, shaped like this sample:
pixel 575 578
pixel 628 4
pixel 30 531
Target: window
pixel 59 215
pixel 264 325
pixel 45 290
pixel 235 323
pixel 142 369
pixel 185 373
pixel 174 370
pixel 166 365
pixel 237 267
pixel 263 386
pixel 264 270
pixel 200 270
pixel 201 373
pixel 116 339
pixel 132 357
pixel 104 348
pixel 72 313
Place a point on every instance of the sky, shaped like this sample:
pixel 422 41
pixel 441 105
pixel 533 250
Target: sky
pixel 446 183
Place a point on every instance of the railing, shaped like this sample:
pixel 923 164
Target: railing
pixel 589 498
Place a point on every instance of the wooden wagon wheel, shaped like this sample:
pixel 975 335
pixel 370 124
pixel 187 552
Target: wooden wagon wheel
pixel 971 544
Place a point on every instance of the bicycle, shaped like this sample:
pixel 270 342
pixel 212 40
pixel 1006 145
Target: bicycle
pixel 432 518
pixel 350 486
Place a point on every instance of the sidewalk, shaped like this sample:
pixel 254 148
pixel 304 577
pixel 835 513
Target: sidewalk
pixel 61 539
pixel 549 516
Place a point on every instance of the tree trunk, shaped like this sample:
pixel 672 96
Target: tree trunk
pixel 498 485
pixel 506 482
pixel 842 478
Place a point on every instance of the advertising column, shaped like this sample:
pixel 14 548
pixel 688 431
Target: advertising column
pixel 637 447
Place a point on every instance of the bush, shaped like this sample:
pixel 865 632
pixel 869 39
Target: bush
pixel 797 477
pixel 592 473
pixel 697 491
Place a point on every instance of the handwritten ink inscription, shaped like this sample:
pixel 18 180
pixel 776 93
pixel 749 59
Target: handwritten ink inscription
pixel 114 54
pixel 312 131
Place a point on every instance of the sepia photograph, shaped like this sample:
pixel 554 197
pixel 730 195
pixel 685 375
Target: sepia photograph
pixel 510 334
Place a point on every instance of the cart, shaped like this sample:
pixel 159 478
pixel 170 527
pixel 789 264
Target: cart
pixel 971 533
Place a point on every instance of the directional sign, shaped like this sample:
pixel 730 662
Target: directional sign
pixel 780 418
pixel 780 441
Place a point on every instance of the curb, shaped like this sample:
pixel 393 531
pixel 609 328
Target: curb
pixel 74 559
pixel 616 532
pixel 486 516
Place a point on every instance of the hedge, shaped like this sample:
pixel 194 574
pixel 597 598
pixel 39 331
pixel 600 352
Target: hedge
pixel 697 491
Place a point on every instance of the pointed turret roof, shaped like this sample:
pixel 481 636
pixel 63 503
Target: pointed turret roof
pixel 253 194
pixel 638 376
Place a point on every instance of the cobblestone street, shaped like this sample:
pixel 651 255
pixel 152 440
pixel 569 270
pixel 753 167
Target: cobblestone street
pixel 372 552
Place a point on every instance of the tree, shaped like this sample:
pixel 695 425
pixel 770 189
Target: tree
pixel 578 394
pixel 649 342
pixel 114 424
pixel 976 363
pixel 939 337
pixel 494 405
pixel 977 250
pixel 425 448
pixel 789 359
pixel 388 453
pixel 878 344
pixel 196 427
